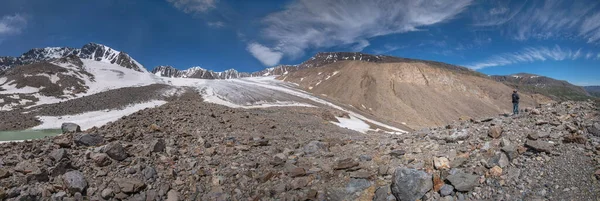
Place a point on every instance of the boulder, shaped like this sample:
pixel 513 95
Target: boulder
pixel 446 190
pixel 74 181
pixel 594 129
pixel 540 146
pixel 70 128
pixel 495 132
pixel 130 185
pixel 173 195
pixel 58 154
pixel 315 147
pixel 107 193
pixel 457 136
pixel 101 159
pixel 410 184
pixel 4 173
pixel 398 153
pixel 345 164
pixel 463 181
pixel 158 145
pixel 116 151
pixel 88 139
pixel 441 163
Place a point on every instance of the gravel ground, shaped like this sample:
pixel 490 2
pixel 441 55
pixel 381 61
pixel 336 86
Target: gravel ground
pixel 188 149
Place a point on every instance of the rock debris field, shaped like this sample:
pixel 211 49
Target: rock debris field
pixel 191 150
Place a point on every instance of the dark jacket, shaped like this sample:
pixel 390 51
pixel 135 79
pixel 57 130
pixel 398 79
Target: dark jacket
pixel 515 98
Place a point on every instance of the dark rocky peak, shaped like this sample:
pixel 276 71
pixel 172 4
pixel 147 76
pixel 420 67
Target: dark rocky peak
pixel 197 72
pixel 104 53
pixel 44 54
pixel 165 71
pixel 71 59
pixel 93 51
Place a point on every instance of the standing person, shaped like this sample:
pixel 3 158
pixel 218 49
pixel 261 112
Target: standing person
pixel 515 101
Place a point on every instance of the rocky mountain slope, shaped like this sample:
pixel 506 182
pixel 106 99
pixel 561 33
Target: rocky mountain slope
pixel 558 90
pixel 593 90
pixel 418 94
pixel 91 51
pixel 52 75
pixel 197 72
pixel 192 150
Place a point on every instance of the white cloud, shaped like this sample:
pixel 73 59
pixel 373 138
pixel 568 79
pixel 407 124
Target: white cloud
pixel 528 55
pixel 12 24
pixel 589 55
pixel 360 45
pixel 542 19
pixel 264 54
pixel 389 48
pixel 217 24
pixel 308 24
pixel 194 6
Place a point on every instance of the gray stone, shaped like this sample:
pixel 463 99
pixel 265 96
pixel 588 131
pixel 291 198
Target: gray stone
pixel 59 196
pixel 4 173
pixel 398 153
pixel 446 190
pixel 511 152
pixel 130 185
pixel 410 184
pixel 88 139
pixel 315 147
pixel 158 145
pixel 58 154
pixel 365 157
pixel 74 181
pixel 463 181
pixel 101 159
pixel 149 173
pixel 540 146
pixel 173 195
pixel 500 159
pixel 357 185
pixel 70 128
pixel 116 151
pixel 457 136
pixel 107 193
pixel 382 193
pixel 594 129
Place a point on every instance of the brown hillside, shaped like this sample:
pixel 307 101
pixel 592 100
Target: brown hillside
pixel 418 94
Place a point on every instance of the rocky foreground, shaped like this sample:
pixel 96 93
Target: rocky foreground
pixel 191 150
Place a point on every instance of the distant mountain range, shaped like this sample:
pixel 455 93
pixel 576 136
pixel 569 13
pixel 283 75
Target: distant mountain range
pixel 558 90
pixel 593 90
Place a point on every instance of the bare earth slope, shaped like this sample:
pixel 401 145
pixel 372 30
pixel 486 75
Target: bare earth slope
pixel 418 94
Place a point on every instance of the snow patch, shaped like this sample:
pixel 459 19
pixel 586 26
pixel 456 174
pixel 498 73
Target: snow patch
pixel 11 88
pixel 353 124
pixel 96 118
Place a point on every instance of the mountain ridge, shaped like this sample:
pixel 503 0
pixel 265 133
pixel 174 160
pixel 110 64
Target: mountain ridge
pixel 94 51
pixel 558 90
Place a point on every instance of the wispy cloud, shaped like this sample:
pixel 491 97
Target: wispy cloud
pixel 194 6
pixel 308 24
pixel 12 24
pixel 217 24
pixel 530 54
pixel 264 54
pixel 542 19
pixel 387 48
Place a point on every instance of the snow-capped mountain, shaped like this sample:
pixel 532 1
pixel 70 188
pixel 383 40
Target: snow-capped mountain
pixel 197 72
pixel 92 51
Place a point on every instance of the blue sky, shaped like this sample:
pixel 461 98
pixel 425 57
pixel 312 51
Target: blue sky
pixel 560 39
